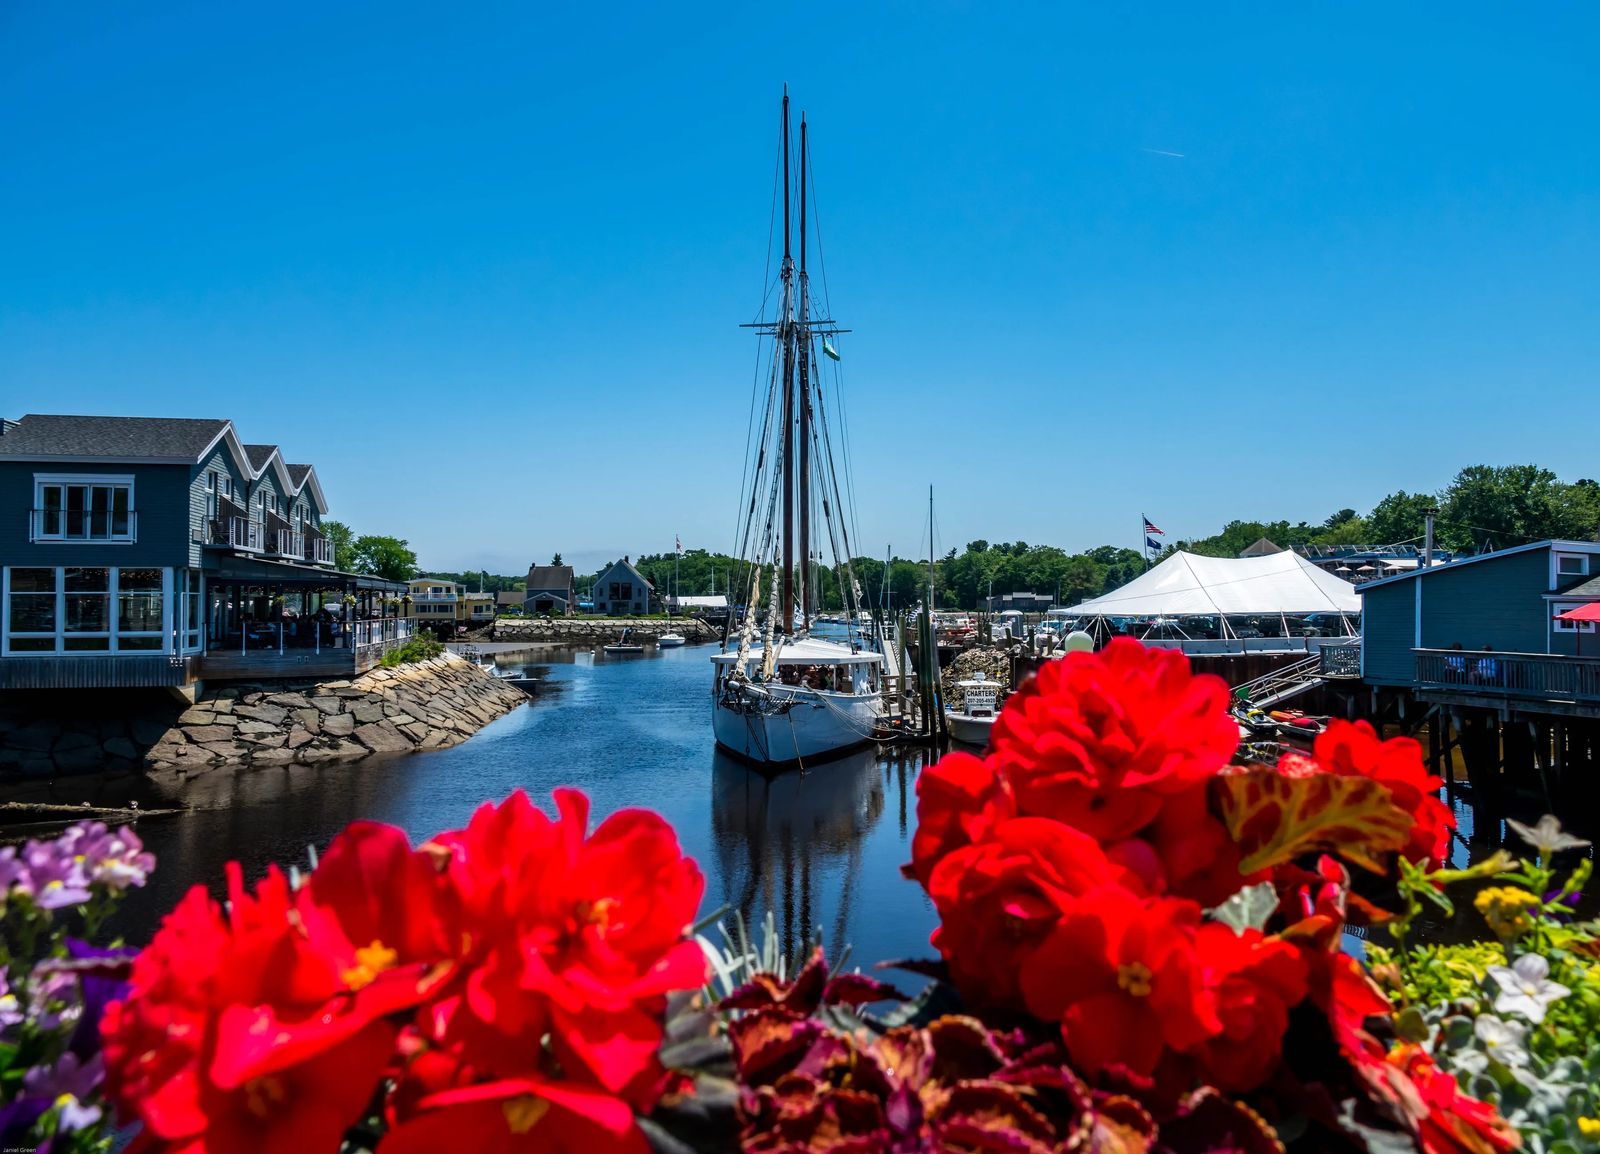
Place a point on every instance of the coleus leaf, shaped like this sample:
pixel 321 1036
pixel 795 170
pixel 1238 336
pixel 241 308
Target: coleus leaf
pixel 1273 818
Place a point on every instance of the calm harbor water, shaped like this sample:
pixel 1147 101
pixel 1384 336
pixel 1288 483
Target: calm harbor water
pixel 821 850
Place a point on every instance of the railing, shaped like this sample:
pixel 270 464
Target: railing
pixel 1284 682
pixel 435 597
pixel 82 525
pixel 1537 676
pixel 286 542
pixel 387 631
pixel 319 550
pixel 237 533
pixel 1341 660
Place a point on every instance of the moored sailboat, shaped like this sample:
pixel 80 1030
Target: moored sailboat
pixel 785 697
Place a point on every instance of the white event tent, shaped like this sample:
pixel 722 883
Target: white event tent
pixel 1186 585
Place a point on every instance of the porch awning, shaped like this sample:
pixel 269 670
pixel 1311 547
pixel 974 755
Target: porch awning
pixel 261 571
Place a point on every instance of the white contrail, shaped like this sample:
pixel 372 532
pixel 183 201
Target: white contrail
pixel 1162 152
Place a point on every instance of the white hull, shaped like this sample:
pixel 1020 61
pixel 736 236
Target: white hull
pixel 969 730
pixel 668 641
pixel 782 724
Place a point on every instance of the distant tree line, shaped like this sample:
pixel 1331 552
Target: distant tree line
pixel 1484 507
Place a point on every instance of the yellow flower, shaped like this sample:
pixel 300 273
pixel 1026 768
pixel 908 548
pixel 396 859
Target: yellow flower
pixel 1589 1127
pixel 1506 908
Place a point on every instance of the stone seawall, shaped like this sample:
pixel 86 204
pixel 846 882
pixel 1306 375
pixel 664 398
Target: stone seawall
pixel 425 705
pixel 599 630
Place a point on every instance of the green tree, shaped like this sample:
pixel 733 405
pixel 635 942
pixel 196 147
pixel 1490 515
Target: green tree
pixel 388 557
pixel 344 557
pixel 1351 530
pixel 1512 505
pixel 556 560
pixel 1399 518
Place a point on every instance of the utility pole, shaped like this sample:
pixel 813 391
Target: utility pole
pixel 1427 536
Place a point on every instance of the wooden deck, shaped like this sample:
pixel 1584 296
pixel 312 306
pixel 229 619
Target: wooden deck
pixel 268 664
pixel 1520 682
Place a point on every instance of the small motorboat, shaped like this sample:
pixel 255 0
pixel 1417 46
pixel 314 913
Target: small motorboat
pixel 980 699
pixel 1296 726
pixel 624 644
pixel 669 640
pixel 1254 725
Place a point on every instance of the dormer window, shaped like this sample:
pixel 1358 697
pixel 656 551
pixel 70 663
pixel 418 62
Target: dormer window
pixel 94 507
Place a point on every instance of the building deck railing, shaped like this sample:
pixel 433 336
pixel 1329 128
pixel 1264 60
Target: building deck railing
pixel 1533 676
pixel 237 533
pixel 245 535
pixel 1342 660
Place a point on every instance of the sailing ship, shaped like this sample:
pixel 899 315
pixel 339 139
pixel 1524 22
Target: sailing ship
pixel 780 696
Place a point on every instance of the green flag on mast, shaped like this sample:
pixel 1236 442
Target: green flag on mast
pixel 827 347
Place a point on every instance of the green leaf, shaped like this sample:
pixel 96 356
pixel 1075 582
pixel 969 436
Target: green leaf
pixel 1249 909
pixel 1411 1025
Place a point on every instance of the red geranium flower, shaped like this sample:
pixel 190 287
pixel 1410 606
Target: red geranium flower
pixel 580 936
pixel 1257 980
pixel 519 1116
pixel 1096 739
pixel 1353 749
pixel 999 899
pixel 1120 973
pixel 959 798
pixel 185 1053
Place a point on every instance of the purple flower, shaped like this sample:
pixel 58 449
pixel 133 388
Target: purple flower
pixel 55 878
pixel 12 871
pixel 68 1084
pixel 114 858
pixel 102 979
pixel 10 1009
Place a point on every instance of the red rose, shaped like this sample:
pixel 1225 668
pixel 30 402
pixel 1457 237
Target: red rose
pixel 1353 749
pixel 1257 980
pixel 959 798
pixel 1096 739
pixel 1000 898
pixel 1120 973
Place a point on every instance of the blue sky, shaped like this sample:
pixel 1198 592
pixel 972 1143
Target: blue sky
pixel 485 268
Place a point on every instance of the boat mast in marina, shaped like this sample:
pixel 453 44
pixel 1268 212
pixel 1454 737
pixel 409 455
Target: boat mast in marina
pixel 788 696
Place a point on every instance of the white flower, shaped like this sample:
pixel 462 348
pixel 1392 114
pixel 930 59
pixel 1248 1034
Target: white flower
pixel 1525 988
pixel 1502 1041
pixel 1547 837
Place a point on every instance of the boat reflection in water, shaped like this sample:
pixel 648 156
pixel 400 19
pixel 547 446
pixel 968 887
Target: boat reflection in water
pixel 794 844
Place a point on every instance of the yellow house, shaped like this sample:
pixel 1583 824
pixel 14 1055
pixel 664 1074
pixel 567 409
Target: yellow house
pixel 475 610
pixel 433 604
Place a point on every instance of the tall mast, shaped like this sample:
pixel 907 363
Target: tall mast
pixel 808 594
pixel 930 556
pixel 787 335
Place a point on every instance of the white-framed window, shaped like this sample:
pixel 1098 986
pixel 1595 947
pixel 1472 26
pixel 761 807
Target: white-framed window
pixel 211 495
pixel 1557 608
pixel 93 507
pixel 1572 564
pixel 85 609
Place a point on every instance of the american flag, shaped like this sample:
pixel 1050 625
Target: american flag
pixel 1150 527
pixel 679 541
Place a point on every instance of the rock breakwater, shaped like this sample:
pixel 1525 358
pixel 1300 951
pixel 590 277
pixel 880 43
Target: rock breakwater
pixel 599 631
pixel 425 705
